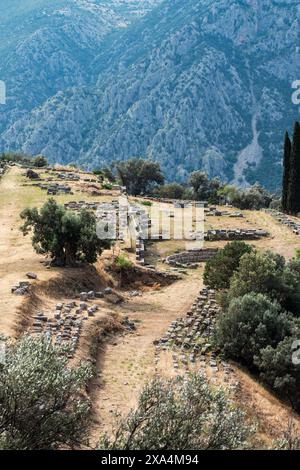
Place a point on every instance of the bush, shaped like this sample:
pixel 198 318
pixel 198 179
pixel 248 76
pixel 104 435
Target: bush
pixel 251 323
pixel 254 198
pixel 180 414
pixel 107 186
pixel 170 191
pixel 123 263
pixel 98 172
pixel 17 158
pixel 276 204
pixel 219 269
pixel 257 272
pixel 41 401
pixel 278 371
pixel 268 274
pixel 255 328
pixel 66 236
pixel 146 203
pixel 40 161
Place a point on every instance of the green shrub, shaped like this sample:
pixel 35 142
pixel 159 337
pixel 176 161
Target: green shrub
pixel 123 263
pixel 219 269
pixel 267 273
pixel 279 372
pixel 180 414
pixel 139 176
pixel 170 191
pixel 42 404
pixel 40 161
pixel 146 203
pixel 251 323
pixel 107 186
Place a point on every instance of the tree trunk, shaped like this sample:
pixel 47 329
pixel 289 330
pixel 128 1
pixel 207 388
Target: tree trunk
pixel 70 256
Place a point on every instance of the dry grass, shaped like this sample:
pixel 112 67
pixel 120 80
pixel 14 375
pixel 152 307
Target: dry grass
pixel 125 362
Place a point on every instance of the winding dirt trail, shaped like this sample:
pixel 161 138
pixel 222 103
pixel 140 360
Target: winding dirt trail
pixel 127 362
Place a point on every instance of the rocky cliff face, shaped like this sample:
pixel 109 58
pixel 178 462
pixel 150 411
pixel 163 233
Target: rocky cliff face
pixel 193 84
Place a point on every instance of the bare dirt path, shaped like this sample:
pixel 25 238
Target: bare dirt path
pixel 128 362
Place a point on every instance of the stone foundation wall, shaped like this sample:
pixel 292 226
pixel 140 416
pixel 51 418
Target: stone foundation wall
pixel 284 219
pixel 196 256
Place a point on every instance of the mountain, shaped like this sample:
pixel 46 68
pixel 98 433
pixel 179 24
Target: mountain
pixel 193 84
pixel 46 46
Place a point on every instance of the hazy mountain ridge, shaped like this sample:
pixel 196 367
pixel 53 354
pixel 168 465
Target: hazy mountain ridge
pixel 46 47
pixel 182 85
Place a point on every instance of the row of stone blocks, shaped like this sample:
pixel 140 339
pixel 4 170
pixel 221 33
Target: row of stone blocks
pixel 193 256
pixel 64 326
pixel 189 337
pixel 77 206
pixel 235 234
pixel 55 188
pixel 285 220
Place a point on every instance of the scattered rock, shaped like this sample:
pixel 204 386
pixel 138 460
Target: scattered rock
pixel 31 275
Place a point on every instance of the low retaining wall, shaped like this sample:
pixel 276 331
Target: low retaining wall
pixel 235 234
pixel 284 219
pixel 195 256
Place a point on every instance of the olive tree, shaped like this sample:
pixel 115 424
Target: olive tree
pixel 204 189
pixel 180 414
pixel 66 236
pixel 138 175
pixel 42 405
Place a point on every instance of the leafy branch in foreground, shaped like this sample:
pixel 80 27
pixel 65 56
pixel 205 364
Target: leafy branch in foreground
pixel 42 402
pixel 180 414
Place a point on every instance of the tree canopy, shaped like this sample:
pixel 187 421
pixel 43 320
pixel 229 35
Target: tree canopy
pixel 204 189
pixel 251 323
pixel 219 269
pixel 67 237
pixel 138 175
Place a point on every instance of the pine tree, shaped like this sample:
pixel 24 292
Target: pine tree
pixel 286 171
pixel 293 201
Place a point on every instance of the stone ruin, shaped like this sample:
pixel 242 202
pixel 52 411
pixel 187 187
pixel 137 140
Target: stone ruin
pixel 192 333
pixel 55 188
pixel 214 212
pixel 63 326
pixel 90 180
pixel 68 176
pixel 234 234
pixel 189 258
pixel 78 206
pixel 109 217
pixel 189 339
pixel 284 219
pixel 128 324
pixel 32 175
pixel 22 288
pixel 139 225
pixel 130 220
